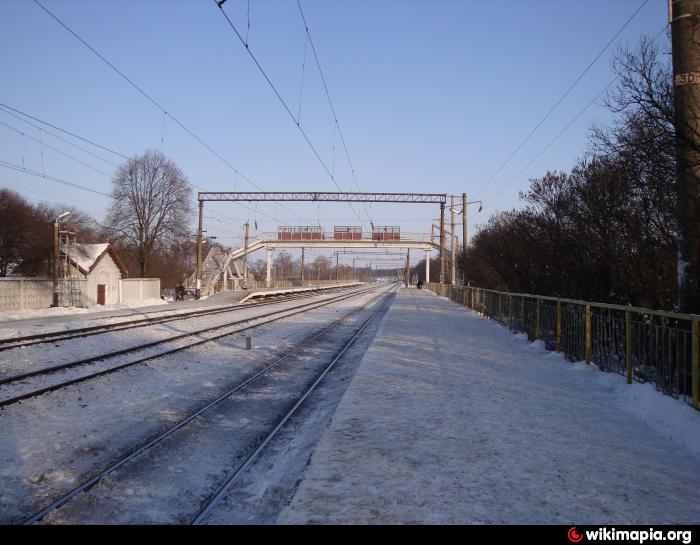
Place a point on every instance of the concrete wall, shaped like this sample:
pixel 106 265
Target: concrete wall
pixel 25 293
pixel 140 289
pixel 18 293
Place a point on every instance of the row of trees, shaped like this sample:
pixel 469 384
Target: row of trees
pixel 607 229
pixel 149 224
pixel 26 234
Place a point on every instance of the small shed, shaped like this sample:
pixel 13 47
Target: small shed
pixel 102 270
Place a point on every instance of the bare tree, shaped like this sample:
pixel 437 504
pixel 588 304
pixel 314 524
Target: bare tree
pixel 152 206
pixel 17 212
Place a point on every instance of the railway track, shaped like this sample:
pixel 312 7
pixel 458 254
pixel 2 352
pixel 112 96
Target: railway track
pixel 221 491
pixel 59 336
pixel 234 327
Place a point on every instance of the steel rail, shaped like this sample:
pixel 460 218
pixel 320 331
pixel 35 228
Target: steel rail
pixel 149 443
pixel 59 385
pixel 109 355
pixel 57 336
pixel 223 491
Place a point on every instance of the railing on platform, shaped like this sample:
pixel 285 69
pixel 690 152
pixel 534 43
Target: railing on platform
pixel 642 344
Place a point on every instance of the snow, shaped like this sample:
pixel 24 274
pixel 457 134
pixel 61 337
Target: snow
pixel 447 418
pixel 452 419
pixel 10 315
pixel 51 442
pixel 85 255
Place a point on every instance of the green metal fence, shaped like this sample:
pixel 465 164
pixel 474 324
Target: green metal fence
pixel 642 344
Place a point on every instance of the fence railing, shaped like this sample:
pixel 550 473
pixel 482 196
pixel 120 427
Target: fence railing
pixel 641 344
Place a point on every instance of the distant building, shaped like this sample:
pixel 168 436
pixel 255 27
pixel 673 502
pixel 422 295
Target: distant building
pixel 102 270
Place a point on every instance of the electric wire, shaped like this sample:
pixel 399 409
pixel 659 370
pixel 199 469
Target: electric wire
pixel 59 137
pixel 283 102
pixel 55 149
pixel 13 166
pixel 330 102
pixel 561 98
pixel 152 100
pixel 563 130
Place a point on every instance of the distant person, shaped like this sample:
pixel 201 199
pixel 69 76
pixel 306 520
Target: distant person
pixel 180 293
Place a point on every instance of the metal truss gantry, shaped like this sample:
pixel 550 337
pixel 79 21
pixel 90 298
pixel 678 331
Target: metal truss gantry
pixel 319 196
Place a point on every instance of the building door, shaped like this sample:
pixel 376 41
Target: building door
pixel 101 289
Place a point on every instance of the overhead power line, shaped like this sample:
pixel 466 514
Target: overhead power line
pixel 330 102
pixel 151 99
pixel 563 130
pixel 5 107
pixel 282 101
pixel 562 97
pixel 64 131
pixel 52 178
pixel 549 144
pixel 55 149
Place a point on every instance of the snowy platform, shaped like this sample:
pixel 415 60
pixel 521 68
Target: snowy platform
pixel 452 419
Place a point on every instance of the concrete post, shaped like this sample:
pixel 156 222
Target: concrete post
pixel 685 30
pixel 427 266
pixel 302 266
pixel 245 254
pixel 268 277
pixel 408 269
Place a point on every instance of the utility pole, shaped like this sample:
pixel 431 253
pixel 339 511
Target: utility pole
pixel 453 242
pixel 442 243
pixel 684 16
pixel 198 265
pixel 302 266
pixel 57 254
pixel 336 267
pixel 464 237
pixel 245 253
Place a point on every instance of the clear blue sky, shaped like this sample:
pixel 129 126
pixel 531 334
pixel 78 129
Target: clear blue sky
pixel 431 96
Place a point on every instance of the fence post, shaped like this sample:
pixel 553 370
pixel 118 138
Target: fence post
pixel 695 378
pixel 588 334
pixel 537 319
pixel 510 313
pixel 558 326
pixel 500 308
pixel 628 345
pixel 522 314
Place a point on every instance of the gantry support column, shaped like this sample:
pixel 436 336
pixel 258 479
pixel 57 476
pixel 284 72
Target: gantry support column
pixel 464 238
pixel 453 243
pixel 442 243
pixel 198 264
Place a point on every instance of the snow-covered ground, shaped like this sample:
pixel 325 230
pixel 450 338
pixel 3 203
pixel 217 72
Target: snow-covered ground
pixel 448 417
pixel 452 419
pixel 10 315
pixel 50 443
pixel 39 356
